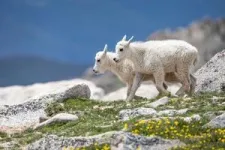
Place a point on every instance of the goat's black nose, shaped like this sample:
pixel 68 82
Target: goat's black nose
pixel 116 60
pixel 95 71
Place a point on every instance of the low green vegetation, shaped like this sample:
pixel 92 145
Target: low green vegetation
pixel 98 117
pixel 192 134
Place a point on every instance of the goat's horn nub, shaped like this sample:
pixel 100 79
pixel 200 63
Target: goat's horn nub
pixel 131 39
pixel 124 37
pixel 105 48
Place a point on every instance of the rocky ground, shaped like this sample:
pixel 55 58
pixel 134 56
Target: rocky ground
pixel 196 122
pixel 75 114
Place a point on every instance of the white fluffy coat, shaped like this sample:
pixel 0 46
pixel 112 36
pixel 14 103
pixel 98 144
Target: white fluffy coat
pixel 159 58
pixel 124 70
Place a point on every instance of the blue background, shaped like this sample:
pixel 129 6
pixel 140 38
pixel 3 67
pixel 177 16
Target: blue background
pixel 73 30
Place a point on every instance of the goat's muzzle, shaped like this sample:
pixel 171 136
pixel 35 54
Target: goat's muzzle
pixel 95 71
pixel 116 60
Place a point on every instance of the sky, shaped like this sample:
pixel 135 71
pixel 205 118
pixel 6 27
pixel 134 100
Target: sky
pixel 74 30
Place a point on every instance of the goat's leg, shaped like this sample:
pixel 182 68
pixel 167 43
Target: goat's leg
pixel 193 84
pixel 160 82
pixel 129 86
pixel 136 83
pixel 184 77
pixel 165 86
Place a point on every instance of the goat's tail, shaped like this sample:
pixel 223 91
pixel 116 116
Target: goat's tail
pixel 196 57
pixel 195 61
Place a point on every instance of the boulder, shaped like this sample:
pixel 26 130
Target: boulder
pixel 62 117
pixel 14 95
pixel 159 102
pixel 172 112
pixel 116 140
pixel 28 114
pixel 211 76
pixel 126 114
pixel 217 122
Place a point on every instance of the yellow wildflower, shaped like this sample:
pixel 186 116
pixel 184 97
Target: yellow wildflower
pixel 160 121
pixel 142 121
pixel 171 128
pixel 106 147
pixel 125 126
pixel 64 148
pixel 71 148
pixel 138 148
pixel 176 123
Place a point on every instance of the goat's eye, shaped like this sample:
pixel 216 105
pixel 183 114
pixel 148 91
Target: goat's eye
pixel 98 60
pixel 121 49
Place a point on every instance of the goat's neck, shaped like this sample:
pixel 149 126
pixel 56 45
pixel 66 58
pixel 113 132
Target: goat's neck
pixel 111 65
pixel 134 53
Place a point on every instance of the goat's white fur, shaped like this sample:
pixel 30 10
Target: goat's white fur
pixel 124 70
pixel 158 58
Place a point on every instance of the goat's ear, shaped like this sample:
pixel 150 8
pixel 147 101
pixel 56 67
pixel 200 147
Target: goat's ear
pixel 105 49
pixel 129 41
pixel 124 38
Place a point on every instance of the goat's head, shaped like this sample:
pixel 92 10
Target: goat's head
pixel 122 48
pixel 100 60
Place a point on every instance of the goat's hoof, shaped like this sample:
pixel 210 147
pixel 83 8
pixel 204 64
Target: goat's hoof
pixel 175 95
pixel 129 99
pixel 180 93
pixel 138 97
pixel 160 95
pixel 169 94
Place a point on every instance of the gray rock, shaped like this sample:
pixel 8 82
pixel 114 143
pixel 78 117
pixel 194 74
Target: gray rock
pixel 62 117
pixel 212 114
pixel 43 118
pixel 168 112
pixel 159 102
pixel 195 117
pixel 214 99
pixel 218 122
pixel 211 77
pixel 29 113
pixel 8 145
pixel 53 142
pixel 117 140
pixel 182 111
pixel 129 141
pixel 77 91
pixel 172 112
pixel 21 120
pixel 131 113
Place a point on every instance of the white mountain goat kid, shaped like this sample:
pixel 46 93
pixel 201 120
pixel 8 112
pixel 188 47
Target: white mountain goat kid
pixel 158 58
pixel 124 70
